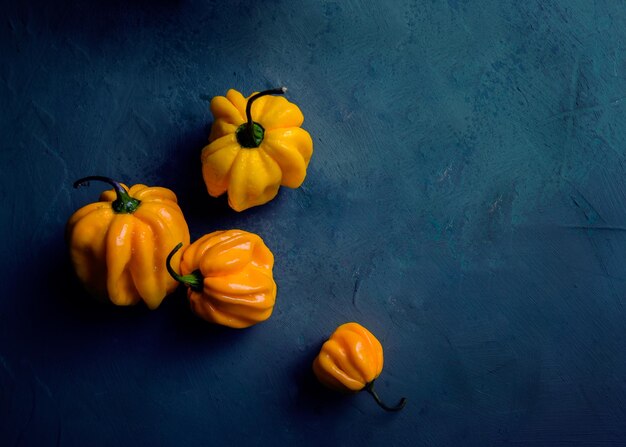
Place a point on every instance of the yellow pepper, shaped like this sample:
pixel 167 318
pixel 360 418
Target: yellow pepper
pixel 229 278
pixel 119 245
pixel 350 360
pixel 253 151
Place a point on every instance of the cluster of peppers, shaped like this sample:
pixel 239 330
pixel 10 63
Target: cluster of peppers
pixel 125 247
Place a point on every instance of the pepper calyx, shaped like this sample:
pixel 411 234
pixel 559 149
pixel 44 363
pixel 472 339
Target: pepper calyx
pixel 250 141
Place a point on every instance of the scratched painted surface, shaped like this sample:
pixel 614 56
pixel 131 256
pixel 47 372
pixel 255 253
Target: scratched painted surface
pixel 466 202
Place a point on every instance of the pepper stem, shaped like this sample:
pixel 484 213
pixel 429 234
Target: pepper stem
pixel 123 204
pixel 399 406
pixel 193 280
pixel 251 134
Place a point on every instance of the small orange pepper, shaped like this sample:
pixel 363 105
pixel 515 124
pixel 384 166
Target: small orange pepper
pixel 350 360
pixel 229 278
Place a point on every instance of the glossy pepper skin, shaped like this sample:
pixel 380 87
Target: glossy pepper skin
pixel 230 280
pixel 350 361
pixel 254 149
pixel 119 245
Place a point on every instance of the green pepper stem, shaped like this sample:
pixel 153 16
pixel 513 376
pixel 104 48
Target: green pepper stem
pixel 193 280
pixel 399 406
pixel 274 91
pixel 123 204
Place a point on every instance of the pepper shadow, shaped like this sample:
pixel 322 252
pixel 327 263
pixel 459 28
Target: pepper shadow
pixel 312 398
pixel 59 311
pixel 184 328
pixel 54 317
pixel 185 338
pixel 69 305
pixel 182 172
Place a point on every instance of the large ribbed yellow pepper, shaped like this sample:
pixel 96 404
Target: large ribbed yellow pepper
pixel 350 360
pixel 254 150
pixel 229 275
pixel 119 245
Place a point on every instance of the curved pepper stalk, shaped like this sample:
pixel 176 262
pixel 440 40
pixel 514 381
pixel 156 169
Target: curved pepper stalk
pixel 399 406
pixel 250 134
pixel 123 204
pixel 193 280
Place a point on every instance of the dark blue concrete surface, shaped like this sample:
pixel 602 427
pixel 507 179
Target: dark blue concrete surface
pixel 466 201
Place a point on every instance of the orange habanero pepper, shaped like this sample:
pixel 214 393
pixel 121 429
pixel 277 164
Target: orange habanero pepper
pixel 119 245
pixel 350 360
pixel 229 278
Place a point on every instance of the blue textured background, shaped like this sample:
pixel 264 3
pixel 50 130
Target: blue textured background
pixel 465 201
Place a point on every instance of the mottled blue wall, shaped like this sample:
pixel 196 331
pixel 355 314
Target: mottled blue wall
pixel 465 201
